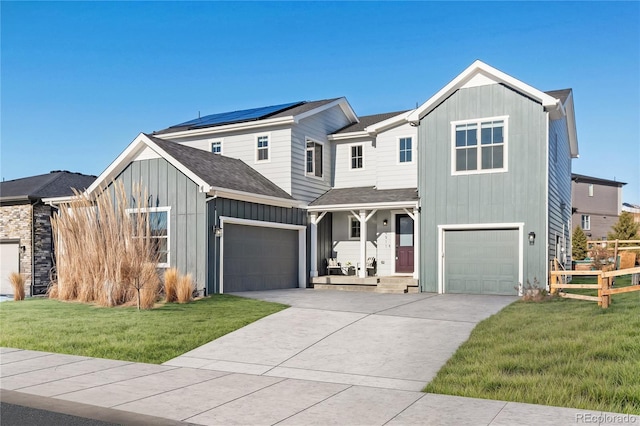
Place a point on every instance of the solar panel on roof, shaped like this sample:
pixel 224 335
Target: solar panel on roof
pixel 236 116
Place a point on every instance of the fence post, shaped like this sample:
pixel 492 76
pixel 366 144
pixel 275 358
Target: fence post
pixel 606 298
pixel 600 283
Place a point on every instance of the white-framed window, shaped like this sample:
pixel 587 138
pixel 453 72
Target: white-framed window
pixel 586 222
pixel 313 159
pixel 216 147
pixel 354 228
pixel 590 190
pixel 479 145
pixel 262 148
pixel 405 150
pixel 158 222
pixel 357 157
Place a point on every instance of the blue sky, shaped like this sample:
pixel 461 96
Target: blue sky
pixel 81 79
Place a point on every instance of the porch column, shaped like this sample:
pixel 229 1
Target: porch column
pixel 313 223
pixel 363 244
pixel 416 243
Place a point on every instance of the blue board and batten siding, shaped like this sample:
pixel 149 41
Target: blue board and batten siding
pixel 169 187
pixel 218 207
pixel 559 191
pixel 515 196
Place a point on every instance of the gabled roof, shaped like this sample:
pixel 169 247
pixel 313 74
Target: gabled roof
pixel 214 174
pixel 347 198
pixel 58 183
pixel 558 103
pixel 258 117
pixel 366 121
pixel 598 181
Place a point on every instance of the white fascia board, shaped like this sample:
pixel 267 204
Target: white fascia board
pixel 55 201
pixel 119 164
pixel 254 198
pixel 349 135
pixel 388 123
pixel 479 67
pixel 128 155
pixel 571 126
pixel 250 125
pixel 342 102
pixel 368 206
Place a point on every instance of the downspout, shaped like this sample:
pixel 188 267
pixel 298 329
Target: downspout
pixel 206 203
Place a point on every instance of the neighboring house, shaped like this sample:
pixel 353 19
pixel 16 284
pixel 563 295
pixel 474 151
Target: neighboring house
pixel 596 204
pixel 494 182
pixel 634 209
pixel 470 192
pixel 26 243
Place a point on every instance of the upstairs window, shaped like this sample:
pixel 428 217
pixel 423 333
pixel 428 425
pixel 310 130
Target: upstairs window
pixel 216 147
pixel 590 190
pixel 262 145
pixel 313 161
pixel 405 146
pixel 479 146
pixel 357 157
pixel 586 222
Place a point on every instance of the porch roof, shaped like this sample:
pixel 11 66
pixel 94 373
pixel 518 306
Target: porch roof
pixel 368 196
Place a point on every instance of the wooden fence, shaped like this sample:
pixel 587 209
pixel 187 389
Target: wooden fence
pixel 605 278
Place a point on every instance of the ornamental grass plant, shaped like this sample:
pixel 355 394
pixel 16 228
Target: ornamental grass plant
pixel 105 249
pixel 17 282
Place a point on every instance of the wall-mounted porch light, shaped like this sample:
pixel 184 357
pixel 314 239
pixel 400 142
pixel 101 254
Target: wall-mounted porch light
pixel 385 222
pixel 218 232
pixel 532 238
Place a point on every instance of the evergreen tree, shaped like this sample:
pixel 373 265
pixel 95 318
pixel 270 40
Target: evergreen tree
pixel 578 244
pixel 625 228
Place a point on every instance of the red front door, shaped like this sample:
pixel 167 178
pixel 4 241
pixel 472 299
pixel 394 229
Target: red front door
pixel 404 244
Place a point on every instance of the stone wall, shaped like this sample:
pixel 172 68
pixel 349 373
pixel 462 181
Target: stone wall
pixel 15 223
pixel 43 250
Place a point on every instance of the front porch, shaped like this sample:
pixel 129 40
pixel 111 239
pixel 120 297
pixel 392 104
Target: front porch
pixel 393 284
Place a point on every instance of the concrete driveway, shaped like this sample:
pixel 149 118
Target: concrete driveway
pixel 393 341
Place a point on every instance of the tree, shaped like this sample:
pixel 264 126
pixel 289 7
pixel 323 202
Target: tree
pixel 578 244
pixel 625 228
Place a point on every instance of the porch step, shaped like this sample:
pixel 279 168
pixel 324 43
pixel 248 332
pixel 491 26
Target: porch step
pixel 345 287
pixel 397 285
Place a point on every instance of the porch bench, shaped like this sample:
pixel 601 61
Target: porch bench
pixel 333 265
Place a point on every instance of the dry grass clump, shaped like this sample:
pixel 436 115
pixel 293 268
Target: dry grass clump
pixel 170 285
pixel 105 253
pixel 184 290
pixel 17 282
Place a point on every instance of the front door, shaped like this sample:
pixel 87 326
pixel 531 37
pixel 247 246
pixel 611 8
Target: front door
pixel 404 244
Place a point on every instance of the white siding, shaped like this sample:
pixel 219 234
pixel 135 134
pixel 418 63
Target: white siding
pixel 391 173
pixel 347 250
pixel 316 127
pixel 243 146
pixel 345 176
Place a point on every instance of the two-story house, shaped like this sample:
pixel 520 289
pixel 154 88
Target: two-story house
pixel 468 193
pixel 596 204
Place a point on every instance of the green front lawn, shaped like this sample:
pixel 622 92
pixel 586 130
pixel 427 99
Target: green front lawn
pixel 567 353
pixel 124 333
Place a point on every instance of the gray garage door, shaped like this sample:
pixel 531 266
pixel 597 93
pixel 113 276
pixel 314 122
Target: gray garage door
pixel 9 262
pixel 257 258
pixel 481 261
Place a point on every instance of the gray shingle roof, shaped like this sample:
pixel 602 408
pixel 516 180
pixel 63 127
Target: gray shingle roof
pixel 561 94
pixel 220 171
pixel 367 120
pixel 54 184
pixel 365 195
pixel 292 111
pixel 591 179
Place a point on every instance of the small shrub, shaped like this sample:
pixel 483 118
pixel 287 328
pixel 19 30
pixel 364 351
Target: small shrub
pixel 184 289
pixel 600 258
pixel 17 282
pixel 150 287
pixel 170 284
pixel 534 292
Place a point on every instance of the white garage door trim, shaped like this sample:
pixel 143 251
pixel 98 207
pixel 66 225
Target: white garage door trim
pixel 478 226
pixel 302 244
pixel 10 247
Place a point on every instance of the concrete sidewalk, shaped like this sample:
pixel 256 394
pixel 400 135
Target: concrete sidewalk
pixel 128 392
